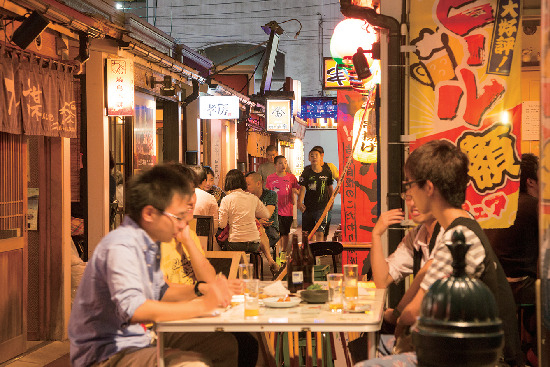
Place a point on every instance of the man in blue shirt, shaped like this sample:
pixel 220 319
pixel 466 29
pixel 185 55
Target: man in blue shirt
pixel 124 288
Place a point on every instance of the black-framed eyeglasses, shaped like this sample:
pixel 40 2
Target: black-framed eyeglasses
pixel 406 185
pixel 405 196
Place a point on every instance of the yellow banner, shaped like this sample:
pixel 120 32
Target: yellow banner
pixel 465 77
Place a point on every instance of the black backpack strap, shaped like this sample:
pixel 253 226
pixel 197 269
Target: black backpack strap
pixel 435 233
pixel 417 254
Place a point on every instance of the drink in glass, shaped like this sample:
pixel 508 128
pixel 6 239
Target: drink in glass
pixel 246 271
pixel 251 298
pixel 335 295
pixel 351 291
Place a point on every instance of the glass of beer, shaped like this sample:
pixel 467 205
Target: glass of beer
pixel 351 291
pixel 335 294
pixel 251 298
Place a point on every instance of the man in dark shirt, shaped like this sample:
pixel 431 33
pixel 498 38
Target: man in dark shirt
pixel 315 192
pixel 517 247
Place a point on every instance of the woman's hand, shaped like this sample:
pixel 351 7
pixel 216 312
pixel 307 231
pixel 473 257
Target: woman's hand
pixel 236 286
pixel 386 219
pixel 184 237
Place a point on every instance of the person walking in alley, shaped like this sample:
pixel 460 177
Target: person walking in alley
pixel 268 168
pixel 315 192
pixel 286 186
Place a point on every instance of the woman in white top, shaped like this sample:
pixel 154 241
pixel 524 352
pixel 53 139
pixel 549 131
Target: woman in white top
pixel 239 209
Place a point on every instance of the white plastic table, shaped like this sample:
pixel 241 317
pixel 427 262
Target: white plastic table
pixel 304 317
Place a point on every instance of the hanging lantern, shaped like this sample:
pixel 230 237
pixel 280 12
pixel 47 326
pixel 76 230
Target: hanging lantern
pixel 348 36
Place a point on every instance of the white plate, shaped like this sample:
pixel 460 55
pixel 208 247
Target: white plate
pixel 273 302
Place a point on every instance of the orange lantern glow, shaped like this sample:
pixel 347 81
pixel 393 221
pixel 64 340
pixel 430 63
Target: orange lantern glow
pixel 348 36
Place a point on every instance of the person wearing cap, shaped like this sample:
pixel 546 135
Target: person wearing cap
pixel 315 192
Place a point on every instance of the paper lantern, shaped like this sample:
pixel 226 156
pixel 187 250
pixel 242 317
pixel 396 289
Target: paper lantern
pixel 349 35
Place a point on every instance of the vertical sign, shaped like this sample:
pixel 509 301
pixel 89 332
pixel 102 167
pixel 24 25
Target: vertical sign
pixel 145 134
pixel 505 32
pixel 120 87
pixel 278 116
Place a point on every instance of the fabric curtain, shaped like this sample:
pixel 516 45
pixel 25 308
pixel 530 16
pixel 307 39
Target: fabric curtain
pixel 36 97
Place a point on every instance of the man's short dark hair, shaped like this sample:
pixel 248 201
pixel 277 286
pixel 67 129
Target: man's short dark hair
pixel 200 174
pixel 277 158
pixel 156 187
pixel 445 165
pixel 270 148
pixel 208 170
pixel 317 148
pixel 234 180
pixel 529 169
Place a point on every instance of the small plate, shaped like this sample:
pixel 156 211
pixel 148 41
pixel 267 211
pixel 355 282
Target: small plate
pixel 273 302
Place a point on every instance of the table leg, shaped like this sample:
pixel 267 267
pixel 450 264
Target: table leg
pixel 160 349
pixel 371 341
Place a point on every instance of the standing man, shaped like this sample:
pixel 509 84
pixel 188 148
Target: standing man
pixel 268 168
pixel 315 192
pixel 336 177
pixel 286 186
pixel 123 287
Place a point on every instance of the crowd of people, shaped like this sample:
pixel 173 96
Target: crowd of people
pixel 153 268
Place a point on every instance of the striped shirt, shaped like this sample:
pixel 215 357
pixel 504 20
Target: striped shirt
pixel 442 263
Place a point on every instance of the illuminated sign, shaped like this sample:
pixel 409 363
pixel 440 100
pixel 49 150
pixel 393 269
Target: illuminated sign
pixel 219 107
pixel 335 76
pixel 120 87
pixel 278 116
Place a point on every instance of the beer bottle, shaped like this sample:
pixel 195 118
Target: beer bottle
pixel 295 272
pixel 307 260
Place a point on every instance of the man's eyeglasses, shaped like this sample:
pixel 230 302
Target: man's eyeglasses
pixel 406 185
pixel 173 216
pixel 170 215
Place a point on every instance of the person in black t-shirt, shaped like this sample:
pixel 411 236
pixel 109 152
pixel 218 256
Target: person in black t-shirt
pixel 315 192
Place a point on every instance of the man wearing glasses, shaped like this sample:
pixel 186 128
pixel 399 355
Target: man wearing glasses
pixel 123 287
pixel 438 176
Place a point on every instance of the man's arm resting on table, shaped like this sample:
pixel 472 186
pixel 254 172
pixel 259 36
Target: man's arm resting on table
pixel 170 308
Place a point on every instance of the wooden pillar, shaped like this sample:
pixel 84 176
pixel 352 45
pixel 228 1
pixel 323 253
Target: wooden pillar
pixel 172 132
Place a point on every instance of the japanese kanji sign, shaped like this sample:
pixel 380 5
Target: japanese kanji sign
pixel 505 32
pixel 278 115
pixel 120 87
pixel 219 107
pixel 462 89
pixel 335 76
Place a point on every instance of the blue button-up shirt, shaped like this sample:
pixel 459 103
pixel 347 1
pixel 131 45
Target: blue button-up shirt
pixel 123 273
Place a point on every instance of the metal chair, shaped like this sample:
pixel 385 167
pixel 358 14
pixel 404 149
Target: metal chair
pixel 332 248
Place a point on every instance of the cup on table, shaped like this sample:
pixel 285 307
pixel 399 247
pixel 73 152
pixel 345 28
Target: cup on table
pixel 251 298
pixel 335 292
pixel 246 271
pixel 351 291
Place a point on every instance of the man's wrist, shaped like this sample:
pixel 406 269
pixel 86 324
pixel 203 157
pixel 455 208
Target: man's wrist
pixel 198 293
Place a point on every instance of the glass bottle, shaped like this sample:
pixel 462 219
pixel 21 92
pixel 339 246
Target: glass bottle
pixel 308 260
pixel 295 272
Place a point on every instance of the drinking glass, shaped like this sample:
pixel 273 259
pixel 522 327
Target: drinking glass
pixel 246 271
pixel 335 294
pixel 251 298
pixel 351 291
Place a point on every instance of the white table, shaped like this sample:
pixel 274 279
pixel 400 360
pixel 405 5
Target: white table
pixel 304 317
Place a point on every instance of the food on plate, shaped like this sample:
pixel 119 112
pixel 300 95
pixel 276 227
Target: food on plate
pixel 314 287
pixel 284 299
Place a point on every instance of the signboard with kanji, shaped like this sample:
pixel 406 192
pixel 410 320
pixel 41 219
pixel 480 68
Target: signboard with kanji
pixel 278 115
pixel 120 87
pixel 219 107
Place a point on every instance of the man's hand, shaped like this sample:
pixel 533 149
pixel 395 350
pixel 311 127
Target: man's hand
pixel 184 237
pixel 265 222
pixel 389 316
pixel 386 219
pixel 302 207
pixel 236 286
pixel 218 292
